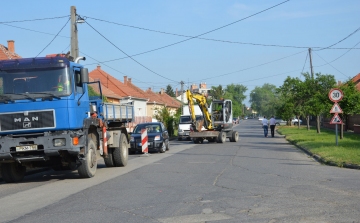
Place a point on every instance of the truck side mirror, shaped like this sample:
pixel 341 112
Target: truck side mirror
pixel 84 75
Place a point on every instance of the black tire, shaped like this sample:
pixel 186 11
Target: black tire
pixel 167 145
pixel 12 172
pixel 221 137
pixel 162 149
pixel 88 166
pixel 180 139
pixel 121 153
pixel 109 161
pixel 234 136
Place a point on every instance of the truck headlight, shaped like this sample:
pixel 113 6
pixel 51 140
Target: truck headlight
pixel 132 139
pixel 59 142
pixel 157 137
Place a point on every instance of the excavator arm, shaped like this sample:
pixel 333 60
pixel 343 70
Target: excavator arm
pixel 201 100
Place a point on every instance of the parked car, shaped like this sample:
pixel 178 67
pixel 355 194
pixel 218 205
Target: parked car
pixel 295 121
pixel 158 137
pixel 279 121
pixel 235 120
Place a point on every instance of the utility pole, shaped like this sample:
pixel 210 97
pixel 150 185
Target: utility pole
pixel 182 91
pixel 74 52
pixel 311 67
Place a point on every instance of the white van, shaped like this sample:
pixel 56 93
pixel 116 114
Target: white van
pixel 184 126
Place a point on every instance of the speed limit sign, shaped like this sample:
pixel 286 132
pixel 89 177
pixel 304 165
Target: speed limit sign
pixel 336 95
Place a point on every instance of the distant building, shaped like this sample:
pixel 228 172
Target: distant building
pixel 202 89
pixel 8 53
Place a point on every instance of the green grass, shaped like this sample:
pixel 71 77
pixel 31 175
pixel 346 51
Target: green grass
pixel 324 144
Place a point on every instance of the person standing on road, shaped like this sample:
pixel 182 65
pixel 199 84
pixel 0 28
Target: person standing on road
pixel 265 126
pixel 272 125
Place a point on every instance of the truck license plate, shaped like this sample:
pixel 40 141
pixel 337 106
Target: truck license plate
pixel 26 148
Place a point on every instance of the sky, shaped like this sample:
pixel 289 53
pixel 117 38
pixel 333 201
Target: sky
pixel 217 42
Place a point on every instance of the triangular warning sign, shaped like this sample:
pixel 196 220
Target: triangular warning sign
pixel 336 120
pixel 336 108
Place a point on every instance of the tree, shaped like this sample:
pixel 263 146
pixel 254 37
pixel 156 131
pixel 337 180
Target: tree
pixel 264 99
pixel 163 115
pixel 319 88
pixel 236 93
pixel 291 99
pixel 169 90
pixel 350 102
pixel 217 92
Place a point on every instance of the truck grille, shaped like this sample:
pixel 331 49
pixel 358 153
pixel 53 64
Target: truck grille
pixel 27 120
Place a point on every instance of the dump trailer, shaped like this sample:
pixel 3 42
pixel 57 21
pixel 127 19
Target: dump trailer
pixel 217 120
pixel 52 116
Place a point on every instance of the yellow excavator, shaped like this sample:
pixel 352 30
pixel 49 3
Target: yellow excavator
pixel 217 120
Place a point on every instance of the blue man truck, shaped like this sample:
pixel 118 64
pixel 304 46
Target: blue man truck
pixel 51 115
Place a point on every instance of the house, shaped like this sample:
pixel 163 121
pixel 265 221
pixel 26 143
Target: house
pixel 356 80
pixel 7 53
pixel 162 100
pixel 126 93
pixel 110 95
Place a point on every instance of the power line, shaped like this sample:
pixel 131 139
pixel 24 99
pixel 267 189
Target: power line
pixel 256 66
pixel 328 63
pixel 31 20
pixel 209 39
pixel 213 30
pixel 340 40
pixel 304 63
pixel 53 38
pixel 129 55
pixel 18 27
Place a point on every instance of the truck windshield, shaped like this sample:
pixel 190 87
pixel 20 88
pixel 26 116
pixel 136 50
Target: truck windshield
pixel 34 83
pixel 187 119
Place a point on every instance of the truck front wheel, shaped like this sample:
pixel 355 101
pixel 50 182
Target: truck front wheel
pixel 109 160
pixel 12 172
pixel 88 166
pixel 221 137
pixel 121 153
pixel 234 136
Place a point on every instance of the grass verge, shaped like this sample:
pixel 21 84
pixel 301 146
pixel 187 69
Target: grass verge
pixel 324 144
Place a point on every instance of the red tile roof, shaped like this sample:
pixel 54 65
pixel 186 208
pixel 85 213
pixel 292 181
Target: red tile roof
pixel 7 53
pixel 163 98
pixel 356 80
pixel 115 85
pixel 105 91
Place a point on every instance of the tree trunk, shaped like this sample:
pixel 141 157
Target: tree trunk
pixel 308 122
pixel 318 123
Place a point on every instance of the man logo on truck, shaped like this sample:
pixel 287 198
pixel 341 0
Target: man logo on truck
pixel 26 119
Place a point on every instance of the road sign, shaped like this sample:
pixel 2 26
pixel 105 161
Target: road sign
pixel 336 119
pixel 336 95
pixel 336 108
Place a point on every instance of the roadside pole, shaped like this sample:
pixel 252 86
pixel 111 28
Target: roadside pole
pixel 336 95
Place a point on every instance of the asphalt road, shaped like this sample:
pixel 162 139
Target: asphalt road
pixel 256 179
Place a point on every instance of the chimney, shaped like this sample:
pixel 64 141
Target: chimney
pixel 98 67
pixel 11 46
pixel 129 80
pixel 162 91
pixel 149 89
pixel 176 93
pixel 125 79
pixel 339 83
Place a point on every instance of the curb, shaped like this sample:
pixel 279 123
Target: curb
pixel 322 160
